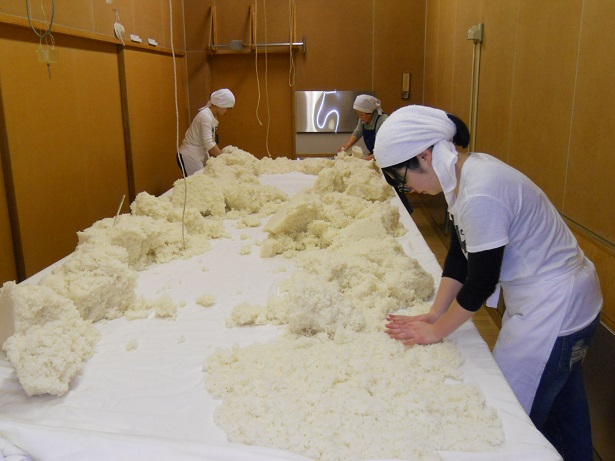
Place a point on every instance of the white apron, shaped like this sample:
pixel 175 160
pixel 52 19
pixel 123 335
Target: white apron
pixel 194 158
pixel 535 311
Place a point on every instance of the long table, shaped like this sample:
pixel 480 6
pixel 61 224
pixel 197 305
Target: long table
pixel 149 402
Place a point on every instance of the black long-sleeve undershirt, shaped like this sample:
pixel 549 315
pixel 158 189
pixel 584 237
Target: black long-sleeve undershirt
pixel 479 273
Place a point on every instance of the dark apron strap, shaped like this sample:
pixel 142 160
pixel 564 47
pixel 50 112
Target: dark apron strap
pixel 369 136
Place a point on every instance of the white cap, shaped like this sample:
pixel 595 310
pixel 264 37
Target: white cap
pixel 366 103
pixel 223 98
pixel 408 131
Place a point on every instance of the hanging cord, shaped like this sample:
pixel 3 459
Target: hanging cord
pixel 291 17
pixel 258 83
pixel 44 55
pixel 53 12
pixel 266 81
pixel 179 157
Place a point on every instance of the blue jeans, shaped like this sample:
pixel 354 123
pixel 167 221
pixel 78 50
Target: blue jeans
pixel 560 410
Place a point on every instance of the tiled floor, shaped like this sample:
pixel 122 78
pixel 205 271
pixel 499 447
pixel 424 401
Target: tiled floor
pixel 486 325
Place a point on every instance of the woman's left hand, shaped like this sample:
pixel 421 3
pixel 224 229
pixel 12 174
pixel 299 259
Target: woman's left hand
pixel 416 332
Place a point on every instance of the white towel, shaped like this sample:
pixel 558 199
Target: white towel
pixel 223 98
pixel 411 130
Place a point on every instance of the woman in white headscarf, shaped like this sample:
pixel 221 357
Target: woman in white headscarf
pixel 200 140
pixel 507 235
pixel 371 118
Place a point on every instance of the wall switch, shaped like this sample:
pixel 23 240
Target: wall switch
pixel 405 85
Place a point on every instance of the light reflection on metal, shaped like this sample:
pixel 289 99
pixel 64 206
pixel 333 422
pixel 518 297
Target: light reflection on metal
pixel 332 111
pixel 326 111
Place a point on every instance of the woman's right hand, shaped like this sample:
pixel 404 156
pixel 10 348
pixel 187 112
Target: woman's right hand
pixel 341 148
pixel 397 320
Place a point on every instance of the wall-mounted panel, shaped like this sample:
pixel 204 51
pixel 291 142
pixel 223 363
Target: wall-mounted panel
pixel 65 140
pixel 591 167
pixel 150 102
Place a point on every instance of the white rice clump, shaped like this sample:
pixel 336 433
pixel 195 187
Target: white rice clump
pixel 51 340
pixel 327 398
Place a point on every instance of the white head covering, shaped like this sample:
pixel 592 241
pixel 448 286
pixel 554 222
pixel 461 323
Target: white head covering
pixel 223 98
pixel 411 130
pixel 366 103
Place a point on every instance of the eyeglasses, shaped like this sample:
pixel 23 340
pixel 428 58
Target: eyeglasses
pixel 399 185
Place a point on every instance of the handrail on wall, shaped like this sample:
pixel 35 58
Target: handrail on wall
pixel 238 46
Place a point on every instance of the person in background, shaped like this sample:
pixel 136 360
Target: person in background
pixel 507 235
pixel 371 118
pixel 200 140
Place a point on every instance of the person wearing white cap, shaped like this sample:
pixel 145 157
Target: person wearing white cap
pixel 507 235
pixel 200 140
pixel 371 118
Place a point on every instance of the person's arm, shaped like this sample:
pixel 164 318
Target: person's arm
pixel 453 276
pixel 418 332
pixel 208 141
pixel 456 300
pixel 214 151
pixel 351 142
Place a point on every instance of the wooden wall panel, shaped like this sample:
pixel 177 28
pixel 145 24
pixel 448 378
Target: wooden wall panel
pixel 104 17
pixel 444 70
pixel 603 257
pixel 150 103
pixel 340 46
pixel 72 13
pixel 399 47
pixel 496 77
pixel 148 16
pixel 591 167
pixel 431 83
pixel 543 89
pixel 240 126
pixel 65 141
pixel 145 18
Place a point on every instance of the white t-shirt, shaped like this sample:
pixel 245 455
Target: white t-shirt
pixel 498 205
pixel 199 139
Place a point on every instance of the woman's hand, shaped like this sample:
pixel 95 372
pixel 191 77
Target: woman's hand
pixel 429 317
pixel 416 329
pixel 428 328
